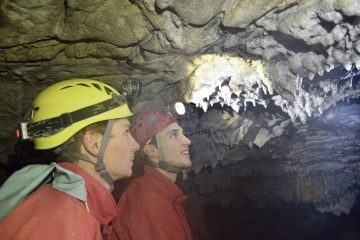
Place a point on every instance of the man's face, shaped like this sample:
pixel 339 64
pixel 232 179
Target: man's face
pixel 120 150
pixel 174 146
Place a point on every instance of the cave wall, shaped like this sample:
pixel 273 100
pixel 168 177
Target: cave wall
pixel 272 90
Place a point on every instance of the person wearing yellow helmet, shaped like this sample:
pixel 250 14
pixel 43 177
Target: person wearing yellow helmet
pixel 86 123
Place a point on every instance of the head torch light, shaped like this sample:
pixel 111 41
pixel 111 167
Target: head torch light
pixel 131 88
pixel 176 109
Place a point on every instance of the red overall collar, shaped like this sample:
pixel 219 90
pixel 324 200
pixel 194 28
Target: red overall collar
pixel 99 200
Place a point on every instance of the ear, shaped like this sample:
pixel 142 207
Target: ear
pixel 91 142
pixel 151 151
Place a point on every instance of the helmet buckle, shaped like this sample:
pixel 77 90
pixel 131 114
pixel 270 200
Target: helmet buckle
pixel 65 120
pixel 121 100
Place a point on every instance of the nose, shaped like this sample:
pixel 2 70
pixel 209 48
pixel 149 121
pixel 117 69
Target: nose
pixel 186 141
pixel 134 144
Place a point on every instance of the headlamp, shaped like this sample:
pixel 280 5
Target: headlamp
pixel 22 132
pixel 131 88
pixel 176 109
pixel 179 108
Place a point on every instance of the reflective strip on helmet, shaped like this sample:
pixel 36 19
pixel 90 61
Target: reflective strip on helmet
pixel 54 125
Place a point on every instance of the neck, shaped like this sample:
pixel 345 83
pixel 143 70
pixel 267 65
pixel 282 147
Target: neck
pixel 155 164
pixel 172 176
pixel 89 168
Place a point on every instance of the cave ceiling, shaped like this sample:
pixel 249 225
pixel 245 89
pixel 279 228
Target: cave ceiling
pixel 271 90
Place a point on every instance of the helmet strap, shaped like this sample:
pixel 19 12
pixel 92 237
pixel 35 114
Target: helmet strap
pixel 165 166
pixel 58 150
pixel 100 166
pixel 76 155
pixel 162 164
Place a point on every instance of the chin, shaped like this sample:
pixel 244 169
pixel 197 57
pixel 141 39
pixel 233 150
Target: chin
pixel 128 175
pixel 124 175
pixel 187 164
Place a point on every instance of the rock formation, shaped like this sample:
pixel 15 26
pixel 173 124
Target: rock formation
pixel 272 90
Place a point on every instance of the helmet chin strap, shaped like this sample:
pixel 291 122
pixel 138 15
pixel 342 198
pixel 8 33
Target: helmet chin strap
pixel 58 150
pixel 162 164
pixel 99 165
pixel 165 166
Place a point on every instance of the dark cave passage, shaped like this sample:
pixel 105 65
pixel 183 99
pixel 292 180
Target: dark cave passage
pixel 296 222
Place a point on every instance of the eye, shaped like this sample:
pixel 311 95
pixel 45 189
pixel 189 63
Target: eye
pixel 127 132
pixel 174 135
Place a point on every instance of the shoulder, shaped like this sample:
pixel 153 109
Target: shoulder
pixel 50 212
pixel 143 192
pixel 145 186
pixel 47 197
pixel 48 203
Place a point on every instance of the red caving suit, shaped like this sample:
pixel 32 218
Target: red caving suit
pixel 54 215
pixel 151 209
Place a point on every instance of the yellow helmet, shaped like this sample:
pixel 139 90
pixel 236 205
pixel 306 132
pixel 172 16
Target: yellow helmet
pixel 64 108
